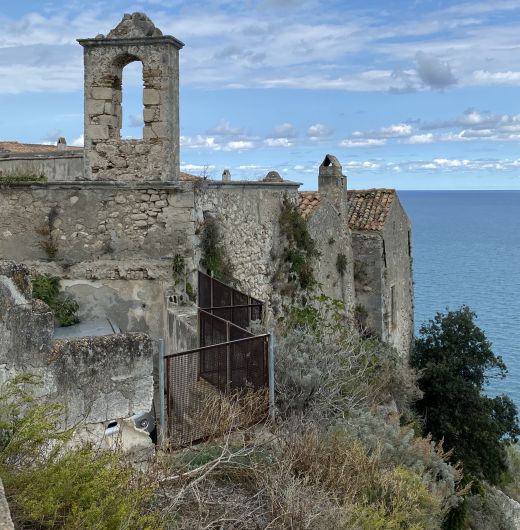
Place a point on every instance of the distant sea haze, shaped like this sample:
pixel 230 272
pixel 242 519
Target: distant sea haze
pixel 466 249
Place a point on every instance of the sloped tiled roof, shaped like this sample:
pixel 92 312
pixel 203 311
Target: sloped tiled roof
pixel 17 147
pixel 309 202
pixel 368 209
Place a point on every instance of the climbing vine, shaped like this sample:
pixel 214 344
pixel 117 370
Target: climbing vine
pixel 214 257
pixel 300 248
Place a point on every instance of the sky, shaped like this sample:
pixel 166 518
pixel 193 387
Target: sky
pixel 417 94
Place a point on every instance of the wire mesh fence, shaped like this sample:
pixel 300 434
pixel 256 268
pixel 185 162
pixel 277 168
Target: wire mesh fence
pixel 215 388
pixel 228 303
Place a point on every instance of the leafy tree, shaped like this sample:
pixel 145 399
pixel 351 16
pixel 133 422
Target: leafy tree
pixel 455 361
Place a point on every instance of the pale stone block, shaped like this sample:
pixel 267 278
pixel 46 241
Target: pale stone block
pixel 160 129
pixel 151 96
pixel 149 115
pixel 148 134
pixel 101 92
pixel 95 107
pixel 97 132
pixel 138 216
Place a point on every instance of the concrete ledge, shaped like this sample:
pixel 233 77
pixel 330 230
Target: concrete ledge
pixel 102 184
pixel 38 156
pixel 251 184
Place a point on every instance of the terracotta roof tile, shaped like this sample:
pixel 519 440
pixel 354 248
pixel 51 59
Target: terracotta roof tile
pixel 368 209
pixel 17 147
pixel 188 177
pixel 309 202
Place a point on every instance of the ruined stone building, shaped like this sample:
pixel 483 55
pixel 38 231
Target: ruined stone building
pixel 121 225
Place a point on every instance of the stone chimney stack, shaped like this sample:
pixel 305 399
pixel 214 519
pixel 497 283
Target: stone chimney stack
pixel 226 175
pixel 332 182
pixel 61 144
pixel 155 157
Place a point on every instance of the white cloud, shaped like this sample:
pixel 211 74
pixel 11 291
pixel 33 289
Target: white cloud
pixel 318 131
pixel 483 77
pixel 278 142
pixel 421 139
pixel 79 141
pixel 238 145
pixel 196 167
pixel 224 128
pixel 396 131
pixel 284 130
pixel 368 142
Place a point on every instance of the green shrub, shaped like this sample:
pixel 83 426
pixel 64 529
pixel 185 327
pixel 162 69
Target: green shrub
pixel 456 361
pixel 47 288
pixel 50 485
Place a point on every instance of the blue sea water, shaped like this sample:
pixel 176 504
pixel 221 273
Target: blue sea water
pixel 466 249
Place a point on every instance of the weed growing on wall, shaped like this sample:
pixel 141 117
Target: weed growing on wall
pixel 301 247
pixel 341 264
pixel 48 244
pixel 9 179
pixel 214 257
pixel 47 289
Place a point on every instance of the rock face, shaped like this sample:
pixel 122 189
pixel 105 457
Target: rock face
pixel 510 506
pixel 5 516
pixel 135 25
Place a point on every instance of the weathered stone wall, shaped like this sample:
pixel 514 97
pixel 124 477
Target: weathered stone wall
pixel 368 277
pixel 99 379
pixel 398 275
pixel 248 216
pixel 87 223
pixel 383 278
pixel 102 379
pixel 333 238
pixel 61 165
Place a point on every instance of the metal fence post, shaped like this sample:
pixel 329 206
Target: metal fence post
pixel 228 361
pixel 162 404
pixel 270 370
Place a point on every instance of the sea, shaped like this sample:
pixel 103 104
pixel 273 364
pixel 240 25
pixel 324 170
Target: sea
pixel 466 251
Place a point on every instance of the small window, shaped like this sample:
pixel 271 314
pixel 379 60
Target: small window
pixel 384 253
pixel 132 101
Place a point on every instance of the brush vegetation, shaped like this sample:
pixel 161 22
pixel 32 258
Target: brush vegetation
pixel 347 451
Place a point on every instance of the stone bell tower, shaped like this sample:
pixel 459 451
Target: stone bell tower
pixel 155 157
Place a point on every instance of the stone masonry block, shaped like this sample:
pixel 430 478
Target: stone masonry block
pixel 160 129
pixel 95 107
pixel 97 132
pixel 99 92
pixel 151 96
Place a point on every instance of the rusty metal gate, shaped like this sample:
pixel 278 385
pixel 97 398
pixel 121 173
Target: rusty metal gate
pixel 225 379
